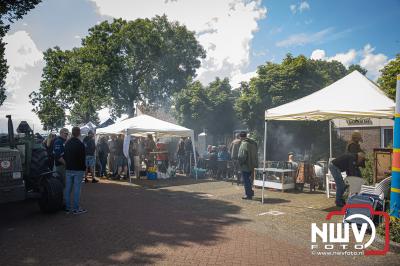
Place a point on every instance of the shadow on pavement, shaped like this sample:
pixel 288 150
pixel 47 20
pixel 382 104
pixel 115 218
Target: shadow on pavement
pixel 124 224
pixel 164 183
pixel 268 200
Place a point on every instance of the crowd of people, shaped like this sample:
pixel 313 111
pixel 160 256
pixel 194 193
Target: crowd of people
pixel 74 159
pixel 184 155
pixel 242 153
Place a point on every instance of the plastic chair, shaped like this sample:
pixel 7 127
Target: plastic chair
pixel 382 189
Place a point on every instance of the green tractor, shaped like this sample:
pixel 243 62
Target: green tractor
pixel 25 172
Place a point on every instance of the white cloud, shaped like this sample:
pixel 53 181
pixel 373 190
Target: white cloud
pixel 303 6
pixel 318 54
pixel 21 52
pixel 225 30
pixel 25 63
pixel 345 58
pixel 305 38
pixel 373 62
pixel 365 58
pixel 240 77
pixel 293 8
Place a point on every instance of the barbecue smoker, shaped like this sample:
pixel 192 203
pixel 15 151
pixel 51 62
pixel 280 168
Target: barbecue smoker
pixel 24 170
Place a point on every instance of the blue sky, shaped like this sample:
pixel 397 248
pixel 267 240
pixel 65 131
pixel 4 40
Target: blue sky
pixel 238 35
pixel 353 24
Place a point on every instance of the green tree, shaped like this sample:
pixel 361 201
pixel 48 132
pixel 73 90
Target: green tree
pixel 358 68
pixel 70 81
pixel 119 64
pixel 149 60
pixel 387 80
pixel 10 11
pixel 209 107
pixel 50 102
pixel 192 106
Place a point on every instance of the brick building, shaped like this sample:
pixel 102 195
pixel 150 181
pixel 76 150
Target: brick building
pixel 376 133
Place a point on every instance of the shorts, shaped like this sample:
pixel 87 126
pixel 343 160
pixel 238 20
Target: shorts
pixel 90 161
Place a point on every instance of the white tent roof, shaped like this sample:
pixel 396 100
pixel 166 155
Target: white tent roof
pixel 143 124
pixel 352 96
pixel 88 127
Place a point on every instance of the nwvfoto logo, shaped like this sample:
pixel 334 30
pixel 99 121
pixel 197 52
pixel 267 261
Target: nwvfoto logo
pixel 337 235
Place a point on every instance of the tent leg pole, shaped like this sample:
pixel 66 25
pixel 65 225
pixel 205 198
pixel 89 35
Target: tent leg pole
pixel 265 155
pixel 194 156
pixel 330 138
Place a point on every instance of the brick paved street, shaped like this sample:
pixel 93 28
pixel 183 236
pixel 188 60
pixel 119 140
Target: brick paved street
pixel 172 222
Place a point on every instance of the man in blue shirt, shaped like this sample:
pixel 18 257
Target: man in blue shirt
pixel 58 152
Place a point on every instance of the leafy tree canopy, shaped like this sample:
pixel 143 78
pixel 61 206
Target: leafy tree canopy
pixel 387 80
pixel 207 107
pixel 120 64
pixel 358 68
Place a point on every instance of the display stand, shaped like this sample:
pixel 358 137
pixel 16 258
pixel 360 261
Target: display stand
pixel 276 178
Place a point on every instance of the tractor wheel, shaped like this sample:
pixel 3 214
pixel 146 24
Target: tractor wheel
pixel 52 195
pixel 39 162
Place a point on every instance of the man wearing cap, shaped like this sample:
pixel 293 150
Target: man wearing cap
pixel 58 153
pixel 354 144
pixel 248 160
pixel 90 149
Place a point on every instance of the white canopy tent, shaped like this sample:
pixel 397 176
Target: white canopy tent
pixel 353 96
pixel 144 124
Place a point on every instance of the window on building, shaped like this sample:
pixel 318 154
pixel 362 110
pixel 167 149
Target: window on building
pixel 387 137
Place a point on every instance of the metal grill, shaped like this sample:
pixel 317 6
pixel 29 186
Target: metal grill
pixel 6 174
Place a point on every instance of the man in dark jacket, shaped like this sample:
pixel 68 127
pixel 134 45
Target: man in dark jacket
pixel 74 156
pixel 103 151
pixel 90 149
pixel 180 154
pixel 248 160
pixel 348 163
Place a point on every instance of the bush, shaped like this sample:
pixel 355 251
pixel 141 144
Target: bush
pixel 368 171
pixel 394 229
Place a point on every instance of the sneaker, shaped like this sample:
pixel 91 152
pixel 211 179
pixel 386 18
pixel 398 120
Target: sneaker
pixel 80 211
pixel 246 198
pixel 67 211
pixel 95 180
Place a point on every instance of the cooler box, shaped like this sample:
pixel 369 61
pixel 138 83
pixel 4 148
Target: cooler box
pixel 152 175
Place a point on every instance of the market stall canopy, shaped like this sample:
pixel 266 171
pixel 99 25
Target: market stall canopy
pixel 143 124
pixel 353 96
